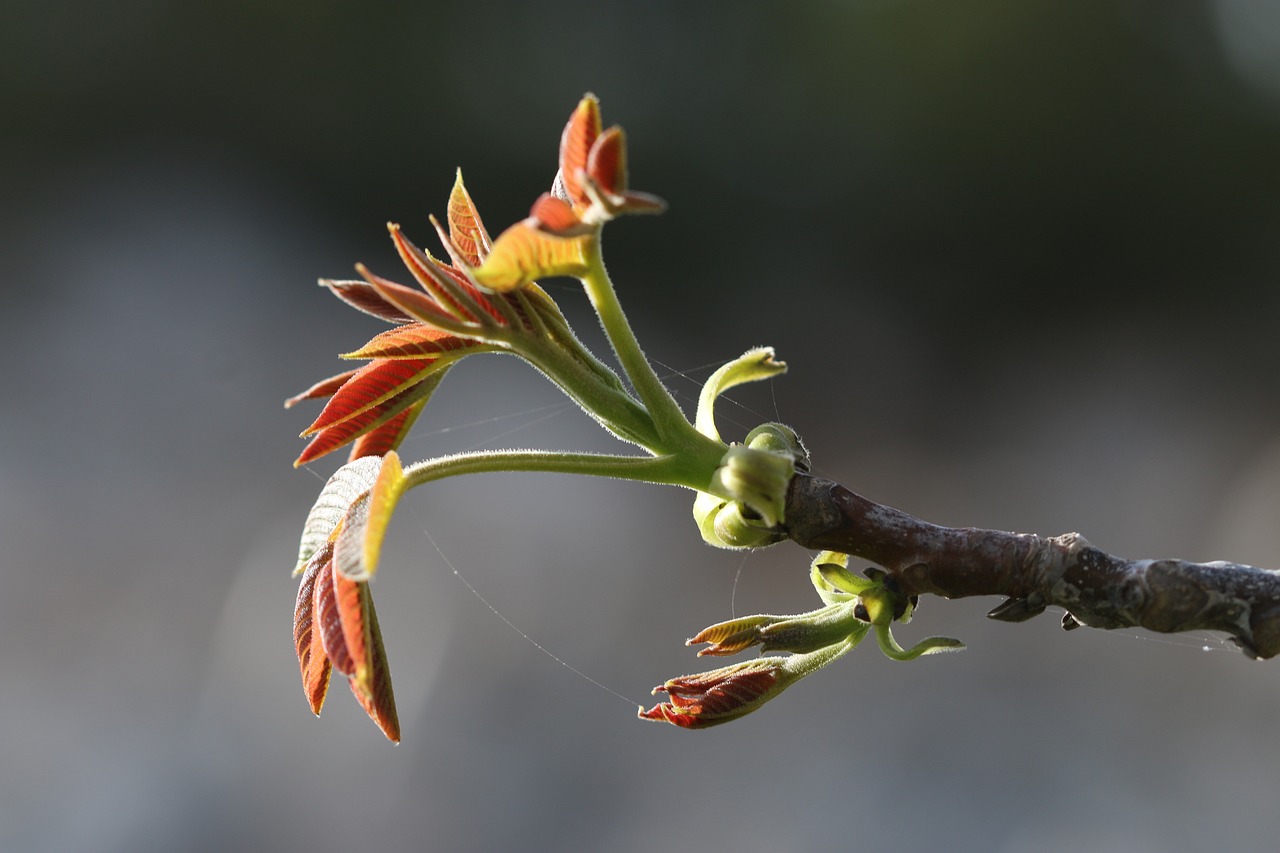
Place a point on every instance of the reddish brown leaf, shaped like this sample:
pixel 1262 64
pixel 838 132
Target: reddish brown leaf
pixel 352 601
pixel 416 340
pixel 555 215
pixel 431 274
pixel 312 660
pixel 415 303
pixel 575 144
pixel 340 434
pixel 465 228
pixel 377 441
pixel 375 383
pixel 380 703
pixel 362 296
pixel 607 161
pixel 329 619
pixel 323 388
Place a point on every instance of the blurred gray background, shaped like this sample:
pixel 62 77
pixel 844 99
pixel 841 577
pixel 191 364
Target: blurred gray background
pixel 1021 257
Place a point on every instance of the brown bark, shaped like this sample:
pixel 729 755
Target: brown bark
pixel 1033 572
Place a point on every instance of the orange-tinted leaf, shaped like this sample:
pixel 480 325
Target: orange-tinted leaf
pixel 555 215
pixel 432 275
pixel 465 228
pixel 380 701
pixel 379 440
pixel 352 601
pixel 328 618
pixel 416 340
pixel 473 294
pixel 575 144
pixel 362 296
pixel 323 388
pixel 339 492
pixel 415 303
pixel 312 660
pixel 340 434
pixel 372 384
pixel 524 253
pixel 607 161
pixel 345 619
pixel 729 638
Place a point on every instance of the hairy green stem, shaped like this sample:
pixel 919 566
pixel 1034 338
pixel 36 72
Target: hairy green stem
pixel 674 470
pixel 667 416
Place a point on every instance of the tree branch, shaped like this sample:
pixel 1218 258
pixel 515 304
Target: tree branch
pixel 1033 572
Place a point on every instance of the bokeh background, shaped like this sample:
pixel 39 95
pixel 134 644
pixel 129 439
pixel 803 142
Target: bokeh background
pixel 1021 257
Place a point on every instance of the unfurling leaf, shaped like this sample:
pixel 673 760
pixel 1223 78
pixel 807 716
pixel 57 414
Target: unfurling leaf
pixel 575 146
pixel 312 660
pixel 465 228
pixel 339 492
pixel 359 542
pixel 607 162
pixel 525 252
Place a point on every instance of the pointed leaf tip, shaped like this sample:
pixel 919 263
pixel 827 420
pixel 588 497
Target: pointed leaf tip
pixel 313 663
pixel 575 146
pixel 466 230
pixel 607 161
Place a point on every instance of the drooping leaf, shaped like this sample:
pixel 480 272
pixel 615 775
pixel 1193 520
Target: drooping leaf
pixel 575 145
pixel 380 701
pixel 364 526
pixel 379 440
pixel 607 161
pixel 465 228
pixel 312 660
pixel 361 296
pixel 328 617
pixel 323 388
pixel 341 434
pixel 375 383
pixel 339 492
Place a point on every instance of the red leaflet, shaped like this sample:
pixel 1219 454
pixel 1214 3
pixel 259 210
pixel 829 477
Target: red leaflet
pixel 431 274
pixel 465 228
pixel 379 440
pixel 312 659
pixel 709 698
pixel 375 383
pixel 575 143
pixel 362 296
pixel 329 620
pixel 342 616
pixel 338 435
pixel 607 161
pixel 555 215
pixel 323 388
pixel 380 701
pixel 415 340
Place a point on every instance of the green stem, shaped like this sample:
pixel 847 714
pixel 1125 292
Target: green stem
pixel 611 407
pixel 667 416
pixel 663 470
